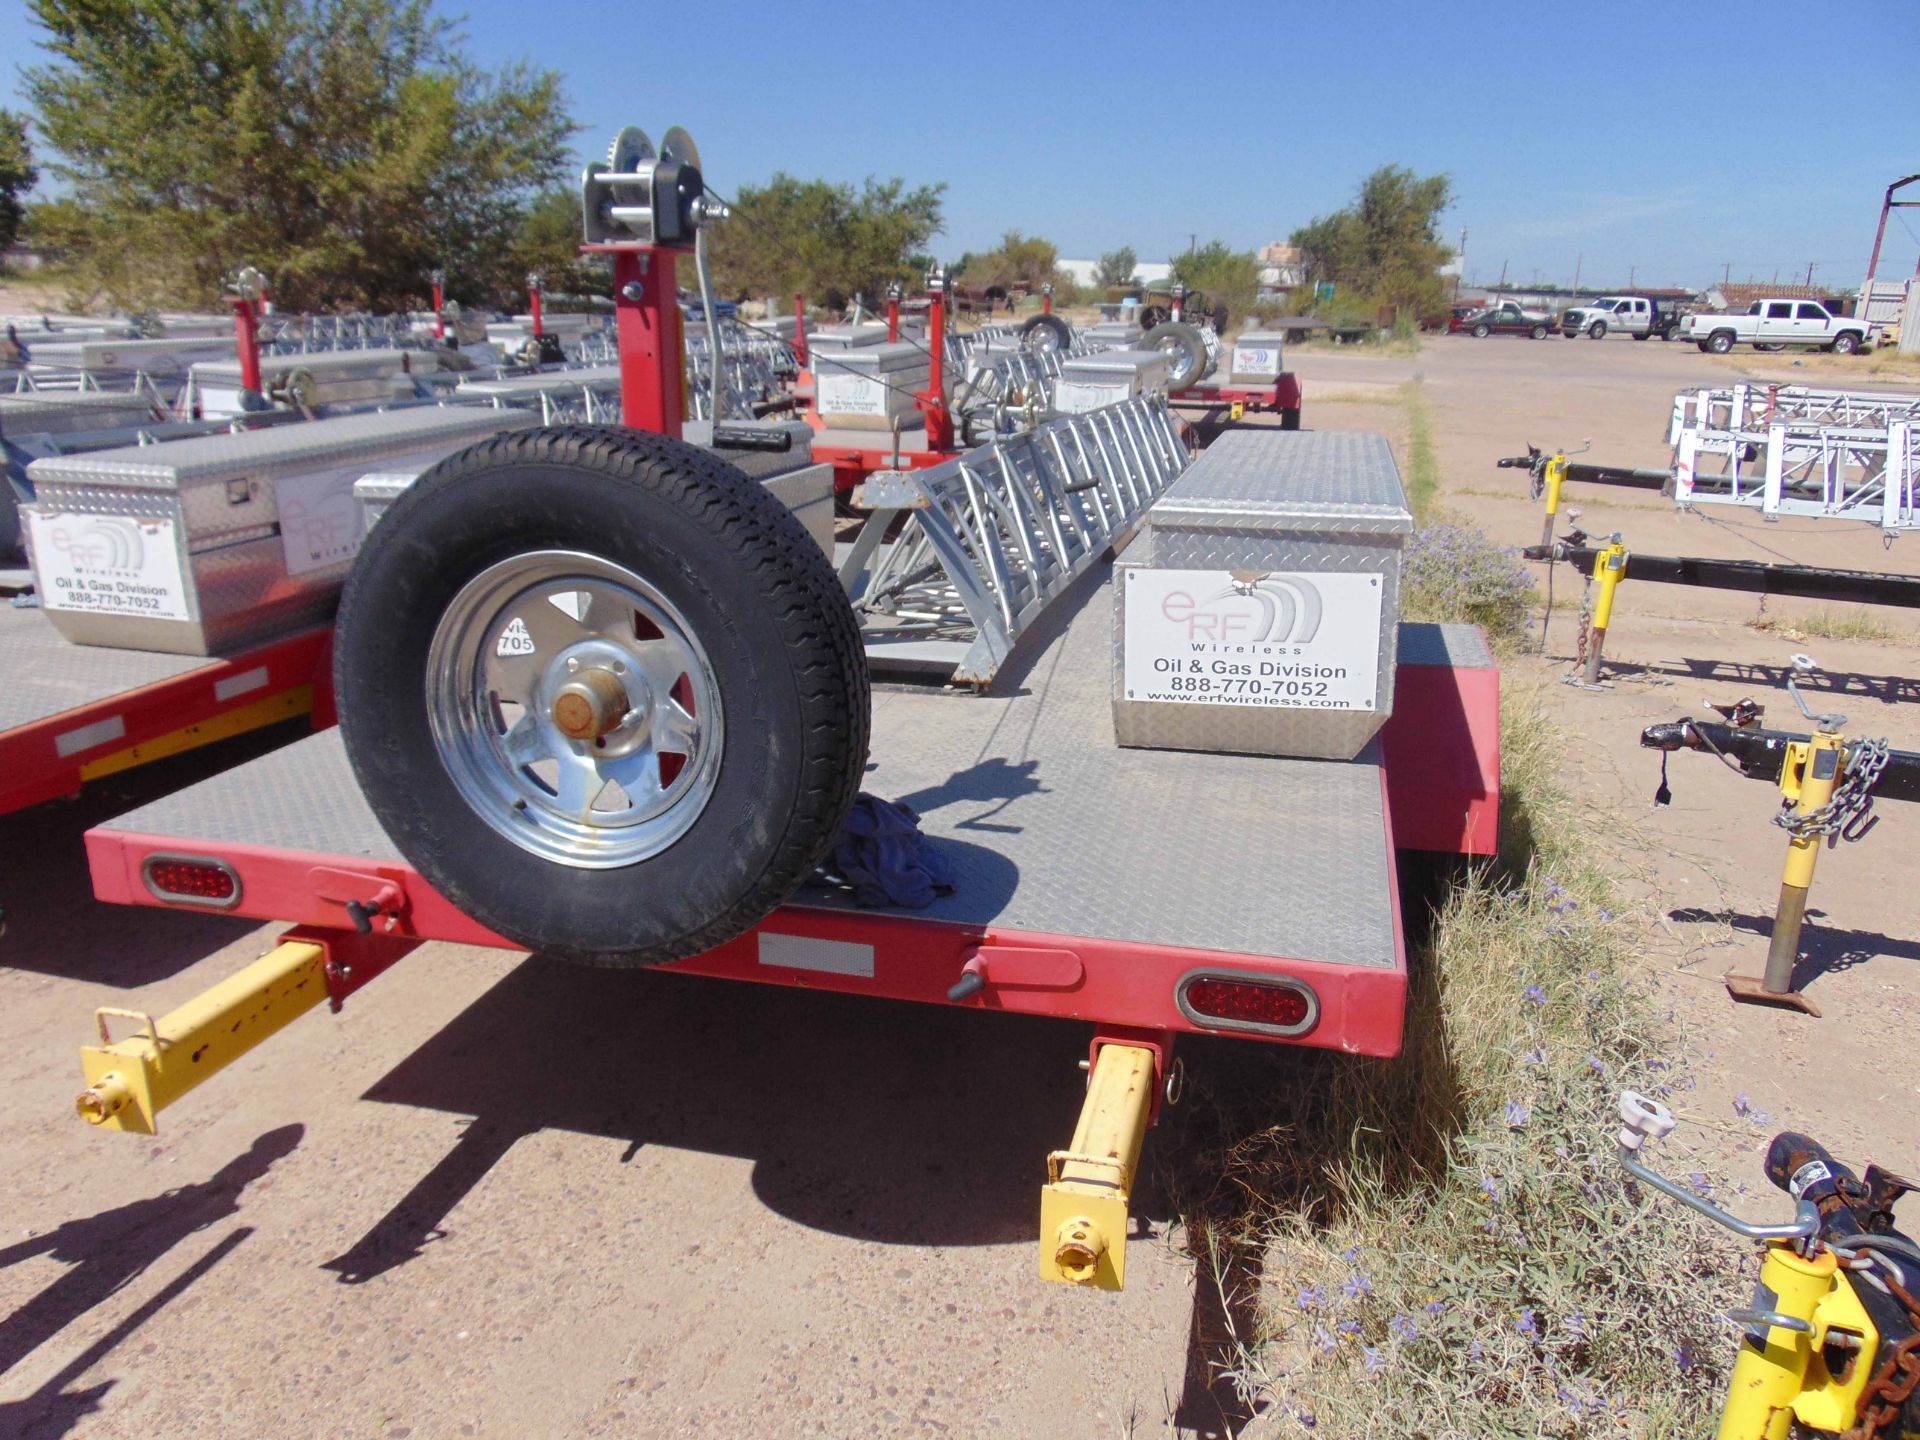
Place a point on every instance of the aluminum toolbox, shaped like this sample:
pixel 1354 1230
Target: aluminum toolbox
pixel 1111 334
pixel 802 486
pixel 194 546
pixel 340 377
pixel 168 356
pixel 871 386
pixel 72 412
pixel 848 337
pixel 1257 357
pixel 527 389
pixel 1106 377
pixel 1258 611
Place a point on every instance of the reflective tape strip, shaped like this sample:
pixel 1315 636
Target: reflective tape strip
pixel 803 952
pixel 245 683
pixel 87 737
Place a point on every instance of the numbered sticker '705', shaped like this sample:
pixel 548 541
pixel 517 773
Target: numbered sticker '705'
pixel 515 640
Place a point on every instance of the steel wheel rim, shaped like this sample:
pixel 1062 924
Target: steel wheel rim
pixel 1181 362
pixel 542 640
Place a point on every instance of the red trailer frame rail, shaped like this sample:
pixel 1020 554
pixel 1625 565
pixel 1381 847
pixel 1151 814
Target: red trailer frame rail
pixel 1437 765
pixel 58 753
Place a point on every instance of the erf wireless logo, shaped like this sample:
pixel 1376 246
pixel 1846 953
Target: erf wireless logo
pixel 108 543
pixel 1254 608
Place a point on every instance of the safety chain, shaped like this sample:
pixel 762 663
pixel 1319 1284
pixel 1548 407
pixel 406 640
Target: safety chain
pixel 1849 812
pixel 1895 1381
pixel 1586 627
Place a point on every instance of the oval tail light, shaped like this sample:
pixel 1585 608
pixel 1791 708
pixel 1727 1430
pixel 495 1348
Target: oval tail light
pixel 1257 1004
pixel 191 880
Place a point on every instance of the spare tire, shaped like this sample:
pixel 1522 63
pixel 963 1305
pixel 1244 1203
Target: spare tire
pixel 1186 350
pixel 1046 332
pixel 602 691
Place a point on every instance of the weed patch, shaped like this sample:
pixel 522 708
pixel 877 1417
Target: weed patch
pixel 1856 624
pixel 1447 1244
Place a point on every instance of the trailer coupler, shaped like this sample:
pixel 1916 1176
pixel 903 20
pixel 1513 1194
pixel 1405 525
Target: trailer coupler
pixel 130 1081
pixel 1089 1189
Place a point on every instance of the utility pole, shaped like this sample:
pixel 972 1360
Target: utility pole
pixel 1576 277
pixel 1193 242
pixel 1726 275
pixel 1503 276
pixel 1810 265
pixel 1632 270
pixel 1460 265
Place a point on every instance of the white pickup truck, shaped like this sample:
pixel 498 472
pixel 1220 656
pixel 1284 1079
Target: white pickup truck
pixel 1635 315
pixel 1772 324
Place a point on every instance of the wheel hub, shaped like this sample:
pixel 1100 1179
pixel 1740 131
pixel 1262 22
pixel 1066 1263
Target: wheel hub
pixel 574 709
pixel 591 704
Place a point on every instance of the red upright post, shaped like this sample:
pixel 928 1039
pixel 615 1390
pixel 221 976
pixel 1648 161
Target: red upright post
pixel 647 326
pixel 1046 299
pixel 246 339
pixel 933 400
pixel 534 287
pixel 439 305
pixel 800 330
pixel 893 317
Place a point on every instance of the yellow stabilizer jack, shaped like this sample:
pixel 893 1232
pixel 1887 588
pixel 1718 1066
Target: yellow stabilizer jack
pixel 1083 1207
pixel 130 1081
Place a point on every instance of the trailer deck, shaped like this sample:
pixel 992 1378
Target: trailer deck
pixel 1092 881
pixel 72 713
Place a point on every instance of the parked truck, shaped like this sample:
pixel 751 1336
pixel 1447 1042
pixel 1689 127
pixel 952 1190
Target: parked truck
pixel 1776 323
pixel 1641 316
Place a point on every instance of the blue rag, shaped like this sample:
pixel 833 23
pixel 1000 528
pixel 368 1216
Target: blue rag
pixel 884 857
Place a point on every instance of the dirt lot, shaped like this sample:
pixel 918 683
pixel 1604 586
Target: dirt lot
pixel 499 1198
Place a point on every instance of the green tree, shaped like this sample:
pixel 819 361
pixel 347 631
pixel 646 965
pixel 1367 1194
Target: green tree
pixel 826 240
pixel 17 175
pixel 1224 275
pixel 1385 247
pixel 1116 267
pixel 346 147
pixel 1024 262
pixel 547 240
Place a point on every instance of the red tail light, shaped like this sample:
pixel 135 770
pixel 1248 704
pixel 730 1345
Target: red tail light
pixel 192 880
pixel 1264 1005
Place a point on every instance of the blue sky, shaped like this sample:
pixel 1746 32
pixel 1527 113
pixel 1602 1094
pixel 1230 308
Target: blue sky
pixel 1661 141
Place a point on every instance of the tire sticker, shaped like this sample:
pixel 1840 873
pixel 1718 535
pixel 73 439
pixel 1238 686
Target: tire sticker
pixel 515 640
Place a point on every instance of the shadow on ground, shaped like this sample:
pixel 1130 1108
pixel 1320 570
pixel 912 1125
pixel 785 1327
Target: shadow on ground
pixel 104 1253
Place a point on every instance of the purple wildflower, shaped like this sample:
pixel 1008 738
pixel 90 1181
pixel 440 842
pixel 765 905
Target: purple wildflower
pixel 1375 1360
pixel 1741 1105
pixel 1536 1056
pixel 1359 1287
pixel 1348 1327
pixel 1577 1325
pixel 1534 995
pixel 1525 1324
pixel 1312 1298
pixel 1402 1328
pixel 1701 1184
pixel 1596 1064
pixel 1517 1114
pixel 1323 1337
pixel 1490 1189
pixel 1435 1307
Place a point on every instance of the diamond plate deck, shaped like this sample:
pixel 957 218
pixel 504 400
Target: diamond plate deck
pixel 42 674
pixel 1050 826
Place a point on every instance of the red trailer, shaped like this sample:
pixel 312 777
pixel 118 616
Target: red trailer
pixel 1147 893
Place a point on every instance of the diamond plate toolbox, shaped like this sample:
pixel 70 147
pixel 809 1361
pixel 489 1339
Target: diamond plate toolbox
pixel 194 546
pixel 1257 613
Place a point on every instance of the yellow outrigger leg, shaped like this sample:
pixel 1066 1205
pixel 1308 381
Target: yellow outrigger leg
pixel 130 1081
pixel 1083 1207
